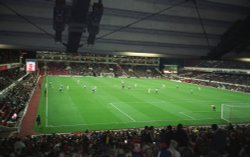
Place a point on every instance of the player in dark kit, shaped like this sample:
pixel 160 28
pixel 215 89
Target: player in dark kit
pixel 213 107
pixel 38 121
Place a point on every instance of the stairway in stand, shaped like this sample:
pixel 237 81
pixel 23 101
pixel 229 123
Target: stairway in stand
pixel 122 70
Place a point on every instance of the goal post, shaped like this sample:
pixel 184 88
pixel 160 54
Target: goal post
pixel 235 113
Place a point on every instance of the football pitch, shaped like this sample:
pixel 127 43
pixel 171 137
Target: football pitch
pixel 142 102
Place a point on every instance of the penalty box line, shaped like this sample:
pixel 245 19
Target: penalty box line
pixel 187 115
pixel 124 113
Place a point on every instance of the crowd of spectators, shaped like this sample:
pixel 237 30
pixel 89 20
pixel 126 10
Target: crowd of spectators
pixel 231 80
pixel 7 77
pixel 219 85
pixel 222 64
pixel 56 68
pixel 9 56
pixel 14 101
pixel 219 80
pixel 214 141
pixel 141 71
pixel 81 69
pixel 99 58
pixel 98 69
pixel 132 60
pixel 220 77
pixel 90 69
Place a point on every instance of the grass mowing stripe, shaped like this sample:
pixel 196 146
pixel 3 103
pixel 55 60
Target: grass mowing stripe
pixel 79 108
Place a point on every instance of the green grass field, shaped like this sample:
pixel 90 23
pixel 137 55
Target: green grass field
pixel 112 107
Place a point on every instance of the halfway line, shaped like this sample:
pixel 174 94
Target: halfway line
pixel 122 112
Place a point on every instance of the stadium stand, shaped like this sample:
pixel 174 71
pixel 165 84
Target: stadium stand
pixel 13 102
pixel 227 78
pixel 7 77
pixel 220 64
pixel 179 141
pixel 141 71
pixel 56 68
pixel 230 141
pixel 220 74
pixel 9 56
pixel 98 67
pixel 96 64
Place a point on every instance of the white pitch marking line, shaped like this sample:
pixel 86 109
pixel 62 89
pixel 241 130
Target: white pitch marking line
pixel 187 115
pixel 122 112
pixel 47 102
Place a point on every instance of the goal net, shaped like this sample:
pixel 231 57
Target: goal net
pixel 235 113
pixel 107 74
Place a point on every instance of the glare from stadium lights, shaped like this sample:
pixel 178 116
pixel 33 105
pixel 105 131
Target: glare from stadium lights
pixel 141 54
pixel 5 46
pixel 244 59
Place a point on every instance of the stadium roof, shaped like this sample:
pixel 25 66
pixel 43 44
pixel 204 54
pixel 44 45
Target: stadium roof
pixel 170 28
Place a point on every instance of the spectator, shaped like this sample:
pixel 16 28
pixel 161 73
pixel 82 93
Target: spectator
pixel 19 146
pixel 172 148
pixel 14 116
pixel 146 135
pixel 181 136
pixel 163 150
pixel 218 143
